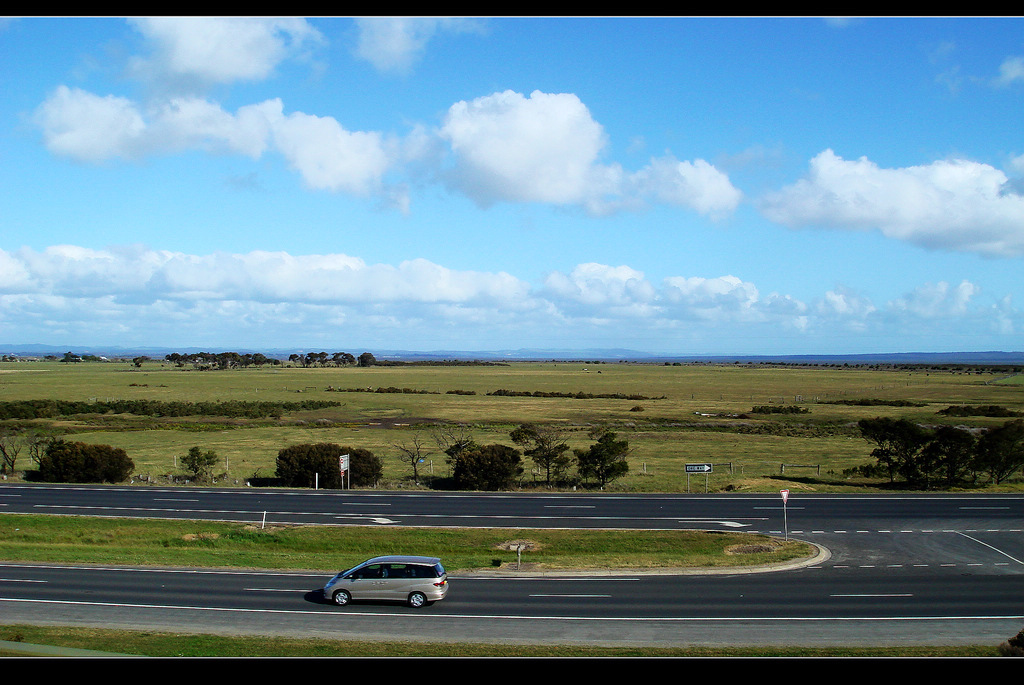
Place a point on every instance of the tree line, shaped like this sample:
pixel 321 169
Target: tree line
pixel 473 466
pixel 945 456
pixel 49 408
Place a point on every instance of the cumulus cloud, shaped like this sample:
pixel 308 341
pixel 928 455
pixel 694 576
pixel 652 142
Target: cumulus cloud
pixel 1010 71
pixel 142 274
pixel 328 156
pixel 949 204
pixel 697 185
pixel 394 44
pixel 88 127
pixel 712 297
pixel 136 293
pixel 546 147
pixel 541 148
pixel 218 50
pixel 934 300
pixel 505 147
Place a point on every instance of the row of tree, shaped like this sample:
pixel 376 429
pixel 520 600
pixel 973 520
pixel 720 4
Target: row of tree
pixel 311 359
pixel 215 360
pixel 498 467
pixel 944 456
pixel 473 466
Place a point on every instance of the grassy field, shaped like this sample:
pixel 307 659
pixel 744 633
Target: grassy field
pixel 678 414
pixel 672 415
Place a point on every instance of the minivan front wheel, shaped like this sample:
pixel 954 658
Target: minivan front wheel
pixel 417 600
pixel 342 597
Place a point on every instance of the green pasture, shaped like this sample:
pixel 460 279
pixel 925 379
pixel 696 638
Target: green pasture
pixel 674 415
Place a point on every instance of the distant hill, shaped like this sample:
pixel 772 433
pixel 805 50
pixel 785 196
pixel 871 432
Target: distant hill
pixel 591 354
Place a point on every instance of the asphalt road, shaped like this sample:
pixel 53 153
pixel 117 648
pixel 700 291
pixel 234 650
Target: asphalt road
pixel 909 570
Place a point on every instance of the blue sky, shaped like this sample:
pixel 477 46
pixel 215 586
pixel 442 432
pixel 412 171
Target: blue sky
pixel 668 185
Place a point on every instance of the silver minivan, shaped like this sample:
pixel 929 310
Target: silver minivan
pixel 418 581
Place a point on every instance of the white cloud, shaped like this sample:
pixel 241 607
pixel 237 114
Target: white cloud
pixel 275 299
pixel 140 274
pixel 89 127
pixel 544 148
pixel 842 303
pixel 600 285
pixel 954 205
pixel 395 43
pixel 216 50
pixel 329 157
pixel 507 147
pixel 934 300
pixel 725 296
pixel 541 148
pixel 547 148
pixel 1010 71
pixel 697 185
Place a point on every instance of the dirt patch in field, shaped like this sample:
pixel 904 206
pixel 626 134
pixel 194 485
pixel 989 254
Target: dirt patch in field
pixel 514 545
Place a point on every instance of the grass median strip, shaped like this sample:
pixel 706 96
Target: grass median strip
pixel 72 539
pixel 17 640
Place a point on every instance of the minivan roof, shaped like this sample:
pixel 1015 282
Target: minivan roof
pixel 402 559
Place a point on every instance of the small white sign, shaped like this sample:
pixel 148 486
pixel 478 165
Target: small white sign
pixel 785 495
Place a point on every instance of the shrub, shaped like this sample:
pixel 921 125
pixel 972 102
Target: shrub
pixel 77 462
pixel 487 467
pixel 305 465
pixel 199 463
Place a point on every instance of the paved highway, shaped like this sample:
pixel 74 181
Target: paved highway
pixel 920 569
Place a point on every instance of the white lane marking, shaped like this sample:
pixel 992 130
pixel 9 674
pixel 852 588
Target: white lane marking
pixel 994 549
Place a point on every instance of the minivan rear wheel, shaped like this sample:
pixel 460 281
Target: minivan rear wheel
pixel 417 600
pixel 342 597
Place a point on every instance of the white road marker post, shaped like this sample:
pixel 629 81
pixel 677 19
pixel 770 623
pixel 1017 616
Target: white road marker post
pixel 785 522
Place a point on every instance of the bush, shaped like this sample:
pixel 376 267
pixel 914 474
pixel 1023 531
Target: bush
pixel 366 468
pixel 304 466
pixel 1014 646
pixel 77 462
pixel 199 463
pixel 487 467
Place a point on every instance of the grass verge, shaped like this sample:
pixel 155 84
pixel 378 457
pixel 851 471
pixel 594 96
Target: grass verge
pixel 151 644
pixel 72 539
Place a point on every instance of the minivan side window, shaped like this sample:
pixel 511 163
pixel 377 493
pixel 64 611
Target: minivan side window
pixel 374 571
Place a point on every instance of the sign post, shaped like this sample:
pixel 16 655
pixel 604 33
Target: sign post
pixel 343 465
pixel 785 521
pixel 698 468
